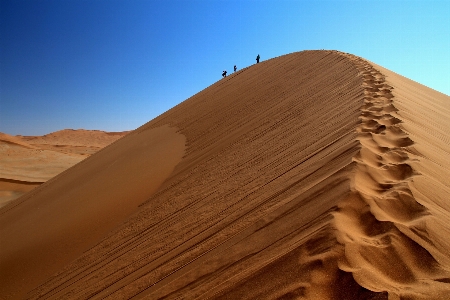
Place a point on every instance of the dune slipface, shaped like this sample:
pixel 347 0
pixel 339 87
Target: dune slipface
pixel 315 175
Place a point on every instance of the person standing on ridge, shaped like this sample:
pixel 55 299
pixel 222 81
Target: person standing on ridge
pixel 224 74
pixel 235 68
pixel 257 59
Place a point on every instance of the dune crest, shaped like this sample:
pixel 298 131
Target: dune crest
pixel 384 227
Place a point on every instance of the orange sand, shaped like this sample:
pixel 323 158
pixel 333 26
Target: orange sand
pixel 314 175
pixel 27 162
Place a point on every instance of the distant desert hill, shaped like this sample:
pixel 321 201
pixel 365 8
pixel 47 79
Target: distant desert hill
pixel 78 141
pixel 314 175
pixel 28 161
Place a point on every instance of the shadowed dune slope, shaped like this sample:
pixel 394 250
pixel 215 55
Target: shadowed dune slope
pixel 53 224
pixel 300 180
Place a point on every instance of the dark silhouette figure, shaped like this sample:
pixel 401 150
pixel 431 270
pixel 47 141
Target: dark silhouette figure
pixel 224 74
pixel 257 59
pixel 235 68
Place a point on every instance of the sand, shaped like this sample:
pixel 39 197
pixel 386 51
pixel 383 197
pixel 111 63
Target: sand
pixel 28 161
pixel 78 141
pixel 314 175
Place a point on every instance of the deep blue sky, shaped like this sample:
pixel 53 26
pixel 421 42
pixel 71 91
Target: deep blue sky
pixel 115 65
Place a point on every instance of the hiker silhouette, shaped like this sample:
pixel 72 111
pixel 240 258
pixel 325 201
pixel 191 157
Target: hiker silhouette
pixel 224 74
pixel 257 59
pixel 235 68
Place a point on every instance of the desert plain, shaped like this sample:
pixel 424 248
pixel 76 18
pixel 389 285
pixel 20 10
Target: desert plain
pixel 313 175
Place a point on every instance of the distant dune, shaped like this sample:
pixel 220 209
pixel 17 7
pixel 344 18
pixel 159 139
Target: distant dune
pixel 314 175
pixel 28 161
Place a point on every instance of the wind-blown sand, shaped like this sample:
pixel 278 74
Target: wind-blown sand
pixel 314 175
pixel 28 161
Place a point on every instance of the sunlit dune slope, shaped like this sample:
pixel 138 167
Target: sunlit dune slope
pixel 315 175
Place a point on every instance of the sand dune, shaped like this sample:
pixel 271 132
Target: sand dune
pixel 28 161
pixel 79 141
pixel 314 175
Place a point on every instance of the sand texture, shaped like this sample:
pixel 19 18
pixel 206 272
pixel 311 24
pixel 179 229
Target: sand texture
pixel 28 161
pixel 314 175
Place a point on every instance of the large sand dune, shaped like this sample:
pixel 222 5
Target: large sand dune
pixel 315 175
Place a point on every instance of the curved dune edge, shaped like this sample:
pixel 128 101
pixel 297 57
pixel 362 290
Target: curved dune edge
pixel 53 224
pixel 389 245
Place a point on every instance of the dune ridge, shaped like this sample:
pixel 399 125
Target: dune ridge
pixel 381 224
pixel 308 176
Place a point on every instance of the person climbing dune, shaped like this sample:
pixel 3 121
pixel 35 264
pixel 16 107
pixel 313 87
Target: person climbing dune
pixel 257 59
pixel 235 68
pixel 224 74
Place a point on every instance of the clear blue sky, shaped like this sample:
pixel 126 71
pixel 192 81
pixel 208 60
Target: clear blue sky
pixel 115 65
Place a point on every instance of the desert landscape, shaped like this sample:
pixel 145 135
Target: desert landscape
pixel 313 175
pixel 28 161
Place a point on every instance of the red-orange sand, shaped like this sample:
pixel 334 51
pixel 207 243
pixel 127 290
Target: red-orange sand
pixel 314 175
pixel 28 161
